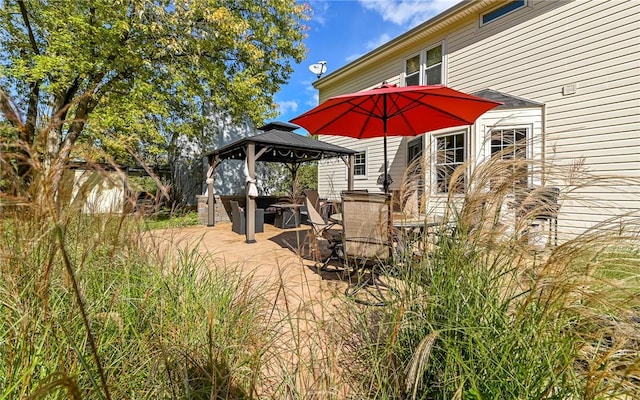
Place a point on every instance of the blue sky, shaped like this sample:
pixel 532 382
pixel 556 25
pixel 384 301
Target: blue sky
pixel 343 30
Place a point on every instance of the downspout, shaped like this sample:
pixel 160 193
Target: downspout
pixel 543 151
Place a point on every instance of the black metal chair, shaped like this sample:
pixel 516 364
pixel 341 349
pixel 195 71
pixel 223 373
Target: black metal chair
pixel 321 230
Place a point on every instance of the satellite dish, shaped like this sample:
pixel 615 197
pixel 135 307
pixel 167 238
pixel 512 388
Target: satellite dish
pixel 318 68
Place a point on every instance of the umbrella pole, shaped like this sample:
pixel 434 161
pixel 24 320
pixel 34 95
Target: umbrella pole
pixel 385 182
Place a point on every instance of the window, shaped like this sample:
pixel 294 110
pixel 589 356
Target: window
pixel 414 150
pixel 424 68
pixel 433 69
pixel 414 168
pixel 412 71
pixel 511 144
pixel 501 11
pixel 451 153
pixel 360 164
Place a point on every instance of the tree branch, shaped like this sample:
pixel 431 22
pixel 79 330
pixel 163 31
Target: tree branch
pixel 9 111
pixel 27 24
pixel 62 101
pixel 27 133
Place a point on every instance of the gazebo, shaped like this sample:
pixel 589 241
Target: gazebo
pixel 277 143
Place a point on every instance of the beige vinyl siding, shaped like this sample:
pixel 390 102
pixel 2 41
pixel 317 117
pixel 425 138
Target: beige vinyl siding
pixel 372 78
pixel 533 53
pixel 332 178
pixel 595 45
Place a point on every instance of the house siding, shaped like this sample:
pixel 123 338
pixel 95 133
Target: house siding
pixel 533 53
pixel 332 173
pixel 592 44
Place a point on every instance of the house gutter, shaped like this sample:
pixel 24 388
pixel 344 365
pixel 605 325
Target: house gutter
pixel 448 17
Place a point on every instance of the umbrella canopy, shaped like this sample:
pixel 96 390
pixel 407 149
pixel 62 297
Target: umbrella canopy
pixel 393 110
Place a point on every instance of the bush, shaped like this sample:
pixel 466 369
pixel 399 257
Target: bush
pixel 87 312
pixel 486 315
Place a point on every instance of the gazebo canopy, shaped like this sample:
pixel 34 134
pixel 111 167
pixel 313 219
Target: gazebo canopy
pixel 279 143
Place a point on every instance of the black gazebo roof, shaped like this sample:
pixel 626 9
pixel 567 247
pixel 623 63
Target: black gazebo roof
pixel 280 144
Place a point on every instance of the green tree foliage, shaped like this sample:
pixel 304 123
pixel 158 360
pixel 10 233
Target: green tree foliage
pixel 308 176
pixel 105 79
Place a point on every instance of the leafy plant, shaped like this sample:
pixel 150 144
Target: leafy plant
pixel 121 81
pixel 488 314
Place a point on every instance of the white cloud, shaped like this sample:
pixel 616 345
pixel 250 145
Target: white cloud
pixel 407 13
pixel 287 106
pixel 311 93
pixel 370 45
pixel 319 8
pixel 313 100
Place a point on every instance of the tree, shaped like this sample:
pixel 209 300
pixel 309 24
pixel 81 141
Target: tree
pixel 117 78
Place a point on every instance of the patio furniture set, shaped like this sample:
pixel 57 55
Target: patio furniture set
pixel 365 237
pixel 368 234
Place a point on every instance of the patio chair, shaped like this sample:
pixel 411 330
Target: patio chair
pixel 314 198
pixel 321 230
pixel 540 204
pixel 322 206
pixel 367 241
pixel 239 222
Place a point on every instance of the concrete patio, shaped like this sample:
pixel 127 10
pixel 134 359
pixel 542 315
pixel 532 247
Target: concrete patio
pixel 303 306
pixel 278 257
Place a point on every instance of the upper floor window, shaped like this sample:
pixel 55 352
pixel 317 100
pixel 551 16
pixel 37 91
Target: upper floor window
pixel 412 71
pixel 501 11
pixel 451 152
pixel 425 68
pixel 433 67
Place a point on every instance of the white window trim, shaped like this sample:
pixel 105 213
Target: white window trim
pixel 530 144
pixel 366 167
pixel 423 69
pixel 434 156
pixel 528 127
pixel 423 63
pixel 404 66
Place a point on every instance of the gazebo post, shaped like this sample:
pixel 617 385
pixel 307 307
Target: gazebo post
pixel 211 212
pixel 250 203
pixel 351 166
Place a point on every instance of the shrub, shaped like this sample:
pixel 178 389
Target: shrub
pixel 488 315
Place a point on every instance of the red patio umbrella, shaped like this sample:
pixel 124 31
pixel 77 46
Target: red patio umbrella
pixel 393 110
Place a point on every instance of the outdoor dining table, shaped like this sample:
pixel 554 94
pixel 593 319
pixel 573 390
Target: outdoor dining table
pixel 400 221
pixel 287 215
pixel 410 230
